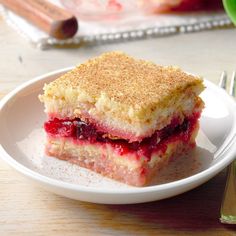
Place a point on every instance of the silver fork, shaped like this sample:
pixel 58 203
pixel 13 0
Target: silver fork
pixel 228 206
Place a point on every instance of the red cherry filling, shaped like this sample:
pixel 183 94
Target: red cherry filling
pixel 80 130
pixel 61 128
pixel 71 128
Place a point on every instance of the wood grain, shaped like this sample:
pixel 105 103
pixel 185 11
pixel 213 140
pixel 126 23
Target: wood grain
pixel 26 209
pixel 33 211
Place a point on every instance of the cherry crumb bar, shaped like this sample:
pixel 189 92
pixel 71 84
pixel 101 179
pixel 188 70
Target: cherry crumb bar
pixel 122 117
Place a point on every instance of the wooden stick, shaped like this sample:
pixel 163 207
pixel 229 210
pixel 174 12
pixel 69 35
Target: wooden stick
pixel 52 19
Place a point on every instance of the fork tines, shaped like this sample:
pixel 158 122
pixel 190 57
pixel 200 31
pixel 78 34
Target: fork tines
pixel 223 82
pixel 232 84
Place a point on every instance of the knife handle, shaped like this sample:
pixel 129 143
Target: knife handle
pixel 50 18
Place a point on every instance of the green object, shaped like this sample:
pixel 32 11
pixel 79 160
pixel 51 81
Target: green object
pixel 230 8
pixel 228 207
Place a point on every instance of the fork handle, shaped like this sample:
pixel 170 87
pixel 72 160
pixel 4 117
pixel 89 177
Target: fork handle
pixel 54 20
pixel 228 207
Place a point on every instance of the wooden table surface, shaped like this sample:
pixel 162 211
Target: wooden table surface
pixel 26 209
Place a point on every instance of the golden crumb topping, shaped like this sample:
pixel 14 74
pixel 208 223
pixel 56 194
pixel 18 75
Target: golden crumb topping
pixel 125 80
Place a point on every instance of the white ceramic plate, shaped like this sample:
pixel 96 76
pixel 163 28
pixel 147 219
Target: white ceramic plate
pixel 22 140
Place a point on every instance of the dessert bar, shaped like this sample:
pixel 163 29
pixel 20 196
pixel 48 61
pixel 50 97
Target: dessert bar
pixel 122 117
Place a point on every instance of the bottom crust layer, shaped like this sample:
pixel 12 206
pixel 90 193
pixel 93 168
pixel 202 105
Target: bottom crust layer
pixel 104 158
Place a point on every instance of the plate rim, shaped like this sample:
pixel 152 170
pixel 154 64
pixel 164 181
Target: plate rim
pixel 229 151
